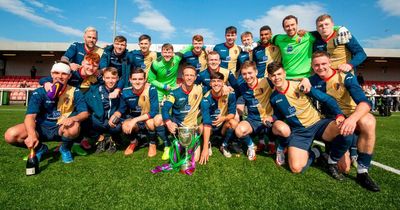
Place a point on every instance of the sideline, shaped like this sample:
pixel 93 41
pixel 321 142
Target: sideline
pixel 377 164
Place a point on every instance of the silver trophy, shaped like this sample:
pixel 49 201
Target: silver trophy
pixel 186 136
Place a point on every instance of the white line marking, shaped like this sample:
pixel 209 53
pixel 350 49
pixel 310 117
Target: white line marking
pixel 377 164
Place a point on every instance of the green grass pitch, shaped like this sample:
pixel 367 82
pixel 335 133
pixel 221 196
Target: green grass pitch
pixel 116 182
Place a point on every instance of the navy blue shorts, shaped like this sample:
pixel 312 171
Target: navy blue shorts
pixel 258 127
pixel 240 101
pixel 48 132
pixel 302 138
pixel 216 130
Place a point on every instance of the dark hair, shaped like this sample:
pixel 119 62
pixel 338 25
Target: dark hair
pixel 287 18
pixel 265 28
pixel 143 37
pixel 217 75
pixel 320 53
pixel 274 66
pixel 137 70
pixel 120 38
pixel 322 17
pixel 230 29
pixel 167 46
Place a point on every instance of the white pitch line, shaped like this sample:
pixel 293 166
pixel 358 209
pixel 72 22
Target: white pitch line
pixel 377 164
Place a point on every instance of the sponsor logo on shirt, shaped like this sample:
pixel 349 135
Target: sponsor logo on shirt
pixel 289 49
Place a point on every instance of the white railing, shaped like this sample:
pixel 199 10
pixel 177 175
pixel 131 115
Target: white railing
pixel 2 90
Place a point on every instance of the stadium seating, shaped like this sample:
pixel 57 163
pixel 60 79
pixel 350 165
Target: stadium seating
pixel 12 81
pixel 382 83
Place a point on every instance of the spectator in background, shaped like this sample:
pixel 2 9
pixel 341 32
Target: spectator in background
pixel 360 79
pixel 24 84
pixel 396 103
pixel 33 72
pixel 370 93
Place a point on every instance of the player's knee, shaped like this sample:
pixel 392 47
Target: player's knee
pixel 232 124
pixel 72 132
pixel 240 131
pixel 367 123
pixel 150 124
pixel 281 129
pixel 10 136
pixel 157 120
pixel 296 167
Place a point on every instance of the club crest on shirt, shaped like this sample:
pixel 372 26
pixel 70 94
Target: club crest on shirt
pixel 195 96
pixel 337 86
pixel 297 95
pixel 67 99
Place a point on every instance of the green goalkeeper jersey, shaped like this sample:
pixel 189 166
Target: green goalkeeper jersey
pixel 296 54
pixel 164 74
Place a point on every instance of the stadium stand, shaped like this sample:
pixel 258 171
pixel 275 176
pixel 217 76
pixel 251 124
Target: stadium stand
pixel 11 81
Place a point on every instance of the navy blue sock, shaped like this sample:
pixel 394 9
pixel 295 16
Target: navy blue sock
pixel 364 162
pixel 228 136
pixel 353 148
pixel 161 132
pixel 311 158
pixel 66 142
pixel 247 139
pixel 339 146
pixel 152 137
pixel 282 142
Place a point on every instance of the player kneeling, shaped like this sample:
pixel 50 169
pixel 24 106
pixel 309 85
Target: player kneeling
pixel 306 123
pixel 218 112
pixel 47 119
pixel 256 93
pixel 140 104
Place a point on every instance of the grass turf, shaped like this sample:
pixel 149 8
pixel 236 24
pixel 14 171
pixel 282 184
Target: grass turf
pixel 113 181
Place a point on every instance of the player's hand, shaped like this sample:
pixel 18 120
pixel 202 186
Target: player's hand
pixel 31 141
pixel 115 93
pixel 74 66
pixel 343 36
pixel 339 121
pixel 48 86
pixel 305 83
pixel 220 119
pixel 348 127
pixel 226 90
pixel 110 122
pixel 268 121
pixel 67 122
pixel 345 67
pixel 130 124
pixel 204 156
pixel 172 127
pixel 301 32
pixel 209 49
